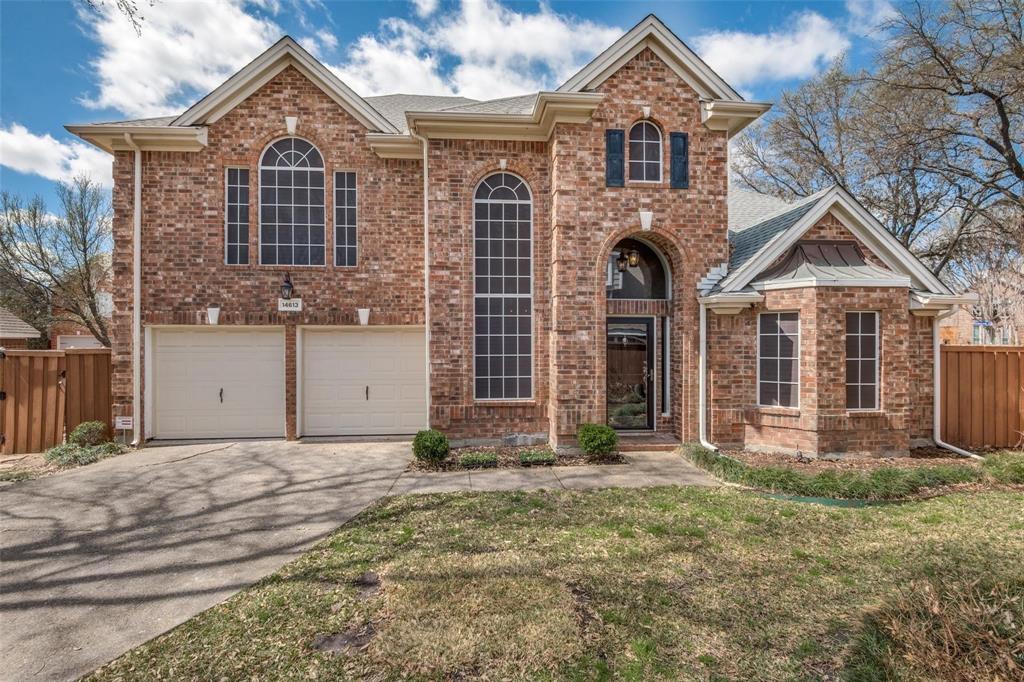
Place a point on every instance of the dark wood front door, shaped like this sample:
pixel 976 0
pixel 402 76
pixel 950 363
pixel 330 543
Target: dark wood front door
pixel 630 382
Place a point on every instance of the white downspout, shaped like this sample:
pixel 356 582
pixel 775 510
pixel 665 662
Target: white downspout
pixel 937 388
pixel 702 372
pixel 136 292
pixel 426 259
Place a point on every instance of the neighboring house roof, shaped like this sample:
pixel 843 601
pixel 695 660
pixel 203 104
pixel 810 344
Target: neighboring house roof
pixel 813 263
pixel 393 107
pixel 13 327
pixel 756 248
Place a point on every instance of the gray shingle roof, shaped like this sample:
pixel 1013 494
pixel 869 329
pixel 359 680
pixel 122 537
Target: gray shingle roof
pixel 747 207
pixel 158 121
pixel 746 243
pixel 13 327
pixel 393 107
pixel 520 104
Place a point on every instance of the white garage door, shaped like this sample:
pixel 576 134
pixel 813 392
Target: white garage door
pixel 363 382
pixel 218 383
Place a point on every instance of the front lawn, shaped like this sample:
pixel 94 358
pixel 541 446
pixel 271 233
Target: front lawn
pixel 662 583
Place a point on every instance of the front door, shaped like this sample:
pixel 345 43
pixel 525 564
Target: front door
pixel 630 390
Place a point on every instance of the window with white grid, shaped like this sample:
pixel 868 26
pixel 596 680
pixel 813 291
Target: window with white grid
pixel 778 360
pixel 645 152
pixel 503 289
pixel 236 219
pixel 292 204
pixel 345 218
pixel 862 360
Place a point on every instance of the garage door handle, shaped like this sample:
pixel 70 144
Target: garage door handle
pixel 222 395
pixel 367 392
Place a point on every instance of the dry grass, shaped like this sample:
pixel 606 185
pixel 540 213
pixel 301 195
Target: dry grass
pixel 662 583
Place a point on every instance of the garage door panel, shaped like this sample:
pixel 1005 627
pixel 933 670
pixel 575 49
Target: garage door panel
pixel 218 383
pixel 339 365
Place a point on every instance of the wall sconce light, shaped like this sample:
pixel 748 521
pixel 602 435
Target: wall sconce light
pixel 287 288
pixel 634 258
pixel 621 262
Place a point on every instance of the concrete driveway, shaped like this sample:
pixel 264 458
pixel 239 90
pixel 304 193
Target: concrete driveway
pixel 101 559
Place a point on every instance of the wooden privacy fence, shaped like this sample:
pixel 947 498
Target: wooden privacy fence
pixel 982 396
pixel 48 392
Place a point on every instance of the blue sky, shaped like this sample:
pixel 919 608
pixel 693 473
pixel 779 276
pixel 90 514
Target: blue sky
pixel 63 62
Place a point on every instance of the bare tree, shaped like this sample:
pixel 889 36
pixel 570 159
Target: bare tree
pixel 57 266
pixel 129 8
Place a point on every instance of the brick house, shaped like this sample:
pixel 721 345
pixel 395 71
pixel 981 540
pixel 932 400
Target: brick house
pixel 525 265
pixel 15 333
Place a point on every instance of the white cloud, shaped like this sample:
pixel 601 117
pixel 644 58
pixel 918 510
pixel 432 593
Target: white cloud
pixel 496 52
pixel 424 8
pixel 866 16
pixel 746 59
pixel 44 155
pixel 186 49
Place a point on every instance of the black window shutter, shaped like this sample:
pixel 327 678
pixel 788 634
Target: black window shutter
pixel 615 158
pixel 680 149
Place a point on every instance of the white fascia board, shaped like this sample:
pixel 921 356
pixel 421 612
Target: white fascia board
pixel 389 146
pixel 550 108
pixel 286 52
pixel 651 32
pixel 111 137
pixel 731 116
pixel 775 285
pixel 860 223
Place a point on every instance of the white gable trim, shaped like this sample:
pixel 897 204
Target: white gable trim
pixel 861 224
pixel 651 32
pixel 257 73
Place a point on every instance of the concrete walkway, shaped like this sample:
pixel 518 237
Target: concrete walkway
pixel 98 560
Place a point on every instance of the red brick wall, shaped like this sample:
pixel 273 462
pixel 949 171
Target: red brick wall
pixel 183 230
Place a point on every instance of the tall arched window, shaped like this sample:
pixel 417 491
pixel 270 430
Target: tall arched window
pixel 645 152
pixel 291 204
pixel 503 288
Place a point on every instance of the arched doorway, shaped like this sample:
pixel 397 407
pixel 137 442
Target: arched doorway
pixel 636 343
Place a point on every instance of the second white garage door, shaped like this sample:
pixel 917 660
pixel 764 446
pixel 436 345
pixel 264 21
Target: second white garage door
pixel 363 381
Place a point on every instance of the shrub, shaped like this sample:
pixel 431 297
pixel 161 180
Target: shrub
pixel 88 434
pixel 70 454
pixel 430 446
pixel 478 460
pixel 1005 467
pixel 884 483
pixel 597 440
pixel 536 457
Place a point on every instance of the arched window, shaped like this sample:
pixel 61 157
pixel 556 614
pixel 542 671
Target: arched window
pixel 645 152
pixel 292 204
pixel 503 288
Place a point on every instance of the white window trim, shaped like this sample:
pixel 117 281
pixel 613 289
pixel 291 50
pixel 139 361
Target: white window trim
pixel 533 307
pixel 259 203
pixel 248 261
pixel 661 154
pixel 334 218
pixel 799 354
pixel 878 362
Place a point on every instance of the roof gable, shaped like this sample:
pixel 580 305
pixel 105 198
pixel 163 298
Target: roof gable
pixel 769 240
pixel 652 33
pixel 257 73
pixel 13 327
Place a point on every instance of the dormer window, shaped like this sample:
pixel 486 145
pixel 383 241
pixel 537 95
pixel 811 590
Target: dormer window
pixel 644 152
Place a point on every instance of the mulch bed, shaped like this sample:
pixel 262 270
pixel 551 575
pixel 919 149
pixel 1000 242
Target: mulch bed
pixel 508 458
pixel 919 457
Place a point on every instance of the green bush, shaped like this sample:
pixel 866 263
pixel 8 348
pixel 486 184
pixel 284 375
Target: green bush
pixel 1005 467
pixel 536 457
pixel 430 446
pixel 88 434
pixel 71 454
pixel 478 460
pixel 884 483
pixel 597 440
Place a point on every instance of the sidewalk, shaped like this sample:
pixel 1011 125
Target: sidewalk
pixel 644 469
